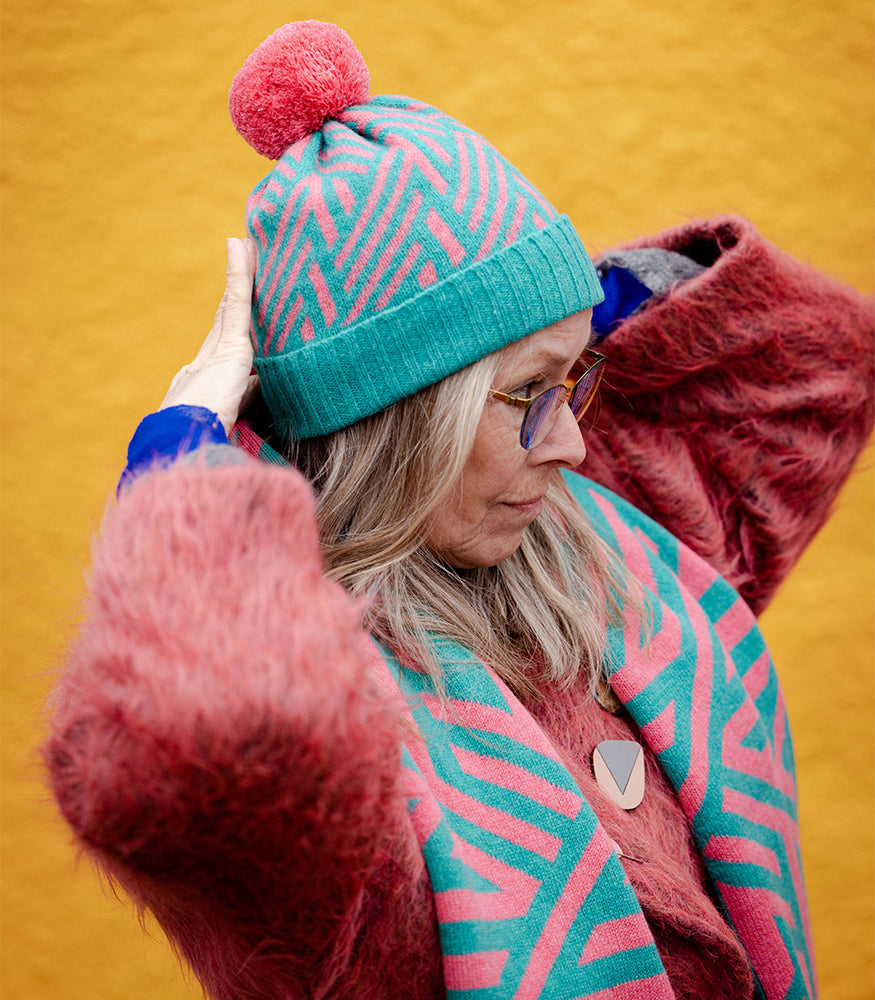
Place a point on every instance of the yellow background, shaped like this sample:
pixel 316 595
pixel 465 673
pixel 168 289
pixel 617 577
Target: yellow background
pixel 122 176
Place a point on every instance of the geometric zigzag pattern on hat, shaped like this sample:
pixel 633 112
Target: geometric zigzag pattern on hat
pixel 396 247
pixel 529 893
pixel 386 200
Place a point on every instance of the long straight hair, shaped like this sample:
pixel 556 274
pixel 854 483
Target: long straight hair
pixel 539 616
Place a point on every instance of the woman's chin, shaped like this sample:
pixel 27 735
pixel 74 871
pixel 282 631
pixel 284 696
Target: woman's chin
pixel 484 554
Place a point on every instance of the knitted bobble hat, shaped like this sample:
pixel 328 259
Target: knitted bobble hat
pixel 395 245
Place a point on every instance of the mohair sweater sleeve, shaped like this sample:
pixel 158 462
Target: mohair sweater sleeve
pixel 733 408
pixel 218 747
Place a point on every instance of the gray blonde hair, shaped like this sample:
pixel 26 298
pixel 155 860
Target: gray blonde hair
pixel 539 616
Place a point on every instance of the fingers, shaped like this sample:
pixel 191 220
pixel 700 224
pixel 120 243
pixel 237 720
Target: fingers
pixel 233 316
pixel 240 269
pixel 242 255
pixel 218 377
pixel 252 250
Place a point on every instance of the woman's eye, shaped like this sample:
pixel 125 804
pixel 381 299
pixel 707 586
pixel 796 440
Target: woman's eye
pixel 529 390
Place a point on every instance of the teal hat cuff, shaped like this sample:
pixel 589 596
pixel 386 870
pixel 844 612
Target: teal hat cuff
pixel 331 382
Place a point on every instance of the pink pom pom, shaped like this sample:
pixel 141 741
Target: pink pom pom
pixel 298 77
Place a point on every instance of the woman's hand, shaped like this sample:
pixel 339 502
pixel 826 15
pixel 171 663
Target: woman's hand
pixel 219 377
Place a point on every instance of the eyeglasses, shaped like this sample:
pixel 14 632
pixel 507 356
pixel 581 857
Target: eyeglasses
pixel 541 410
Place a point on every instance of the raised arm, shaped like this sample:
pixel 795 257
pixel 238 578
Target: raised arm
pixel 736 405
pixel 217 742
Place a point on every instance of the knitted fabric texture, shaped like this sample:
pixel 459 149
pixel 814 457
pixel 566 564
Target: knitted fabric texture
pixel 176 731
pixel 395 245
pixel 188 701
pixel 494 806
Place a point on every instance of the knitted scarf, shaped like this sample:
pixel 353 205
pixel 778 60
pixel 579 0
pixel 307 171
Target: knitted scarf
pixel 531 897
pixel 530 894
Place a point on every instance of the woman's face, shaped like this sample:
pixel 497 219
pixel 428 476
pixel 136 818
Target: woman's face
pixel 502 485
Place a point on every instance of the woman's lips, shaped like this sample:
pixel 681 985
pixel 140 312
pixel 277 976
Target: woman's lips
pixel 532 506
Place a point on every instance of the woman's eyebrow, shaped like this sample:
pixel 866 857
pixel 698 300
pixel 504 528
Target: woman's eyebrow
pixel 551 360
pixel 542 363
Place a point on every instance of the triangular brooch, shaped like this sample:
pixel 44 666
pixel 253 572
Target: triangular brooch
pixel 618 766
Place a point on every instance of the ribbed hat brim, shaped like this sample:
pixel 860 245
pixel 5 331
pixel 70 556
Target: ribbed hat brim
pixel 332 382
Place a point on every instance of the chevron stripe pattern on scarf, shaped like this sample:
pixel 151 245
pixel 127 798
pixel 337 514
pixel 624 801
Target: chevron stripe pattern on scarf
pixel 530 895
pixel 514 852
pixel 706 696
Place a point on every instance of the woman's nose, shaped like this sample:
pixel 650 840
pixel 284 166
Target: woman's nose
pixel 564 442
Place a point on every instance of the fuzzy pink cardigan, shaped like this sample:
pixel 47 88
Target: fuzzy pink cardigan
pixel 735 407
pixel 216 661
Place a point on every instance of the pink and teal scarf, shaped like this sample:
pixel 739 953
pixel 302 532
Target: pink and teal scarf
pixel 532 900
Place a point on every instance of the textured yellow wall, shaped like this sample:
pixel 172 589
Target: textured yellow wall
pixel 122 176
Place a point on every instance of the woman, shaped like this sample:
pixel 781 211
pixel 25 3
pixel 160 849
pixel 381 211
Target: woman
pixel 471 725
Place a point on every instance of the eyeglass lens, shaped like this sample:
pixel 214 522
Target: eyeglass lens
pixel 545 406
